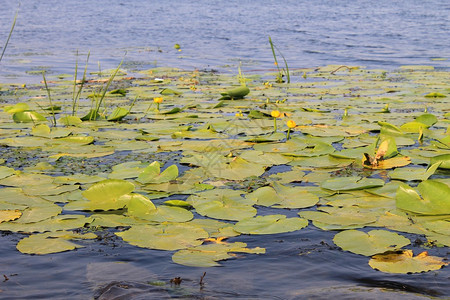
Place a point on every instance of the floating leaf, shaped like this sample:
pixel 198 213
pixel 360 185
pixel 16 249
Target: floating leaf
pixel 414 173
pixel 371 243
pixel 52 242
pixel 404 262
pixel 18 107
pixel 138 205
pixel 351 183
pixel 104 195
pixel 223 204
pixel 151 174
pixel 9 215
pixel 6 172
pixel 443 159
pixel 168 91
pixel 433 198
pixel 270 224
pixel 28 117
pixel 342 218
pixel 164 237
pixel 236 93
pixel 208 255
pixel 118 114
pixel 281 196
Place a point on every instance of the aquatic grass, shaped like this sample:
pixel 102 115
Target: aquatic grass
pixel 76 96
pixel 10 33
pixel 281 72
pixel 49 99
pixel 94 113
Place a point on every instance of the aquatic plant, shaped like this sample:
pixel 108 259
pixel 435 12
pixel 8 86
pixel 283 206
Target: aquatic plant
pixel 275 114
pixel 76 95
pixel 158 101
pixel 283 71
pixel 10 33
pixel 290 124
pixel 52 108
pixel 196 158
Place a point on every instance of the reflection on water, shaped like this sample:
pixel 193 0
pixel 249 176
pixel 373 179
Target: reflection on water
pixel 214 34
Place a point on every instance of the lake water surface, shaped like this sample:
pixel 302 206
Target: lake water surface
pixel 217 35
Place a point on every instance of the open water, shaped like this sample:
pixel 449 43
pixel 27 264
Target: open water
pixel 217 35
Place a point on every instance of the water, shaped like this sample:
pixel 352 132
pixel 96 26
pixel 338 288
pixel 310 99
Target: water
pixel 217 35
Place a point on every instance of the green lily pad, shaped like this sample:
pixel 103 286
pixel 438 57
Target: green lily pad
pixel 28 117
pixel 371 243
pixel 164 237
pixel 351 183
pixel 443 159
pixel 6 172
pixel 151 174
pixel 208 255
pixel 270 224
pixel 104 195
pixel 340 218
pixel 237 169
pixel 223 204
pixel 118 114
pixel 432 198
pixel 235 93
pixel 281 196
pixel 52 242
pixel 409 174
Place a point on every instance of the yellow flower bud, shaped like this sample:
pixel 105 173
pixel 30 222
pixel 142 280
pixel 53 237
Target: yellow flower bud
pixel 158 99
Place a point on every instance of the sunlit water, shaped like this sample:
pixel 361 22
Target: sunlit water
pixel 217 35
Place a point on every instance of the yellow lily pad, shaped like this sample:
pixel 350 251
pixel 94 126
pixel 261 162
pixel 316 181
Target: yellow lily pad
pixel 404 262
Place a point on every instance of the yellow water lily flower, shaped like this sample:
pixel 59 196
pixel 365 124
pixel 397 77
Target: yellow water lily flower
pixel 275 114
pixel 158 101
pixel 290 124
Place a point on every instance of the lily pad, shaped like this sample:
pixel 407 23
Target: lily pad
pixel 52 242
pixel 432 198
pixel 371 243
pixel 404 262
pixel 209 255
pixel 164 237
pixel 351 183
pixel 270 224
